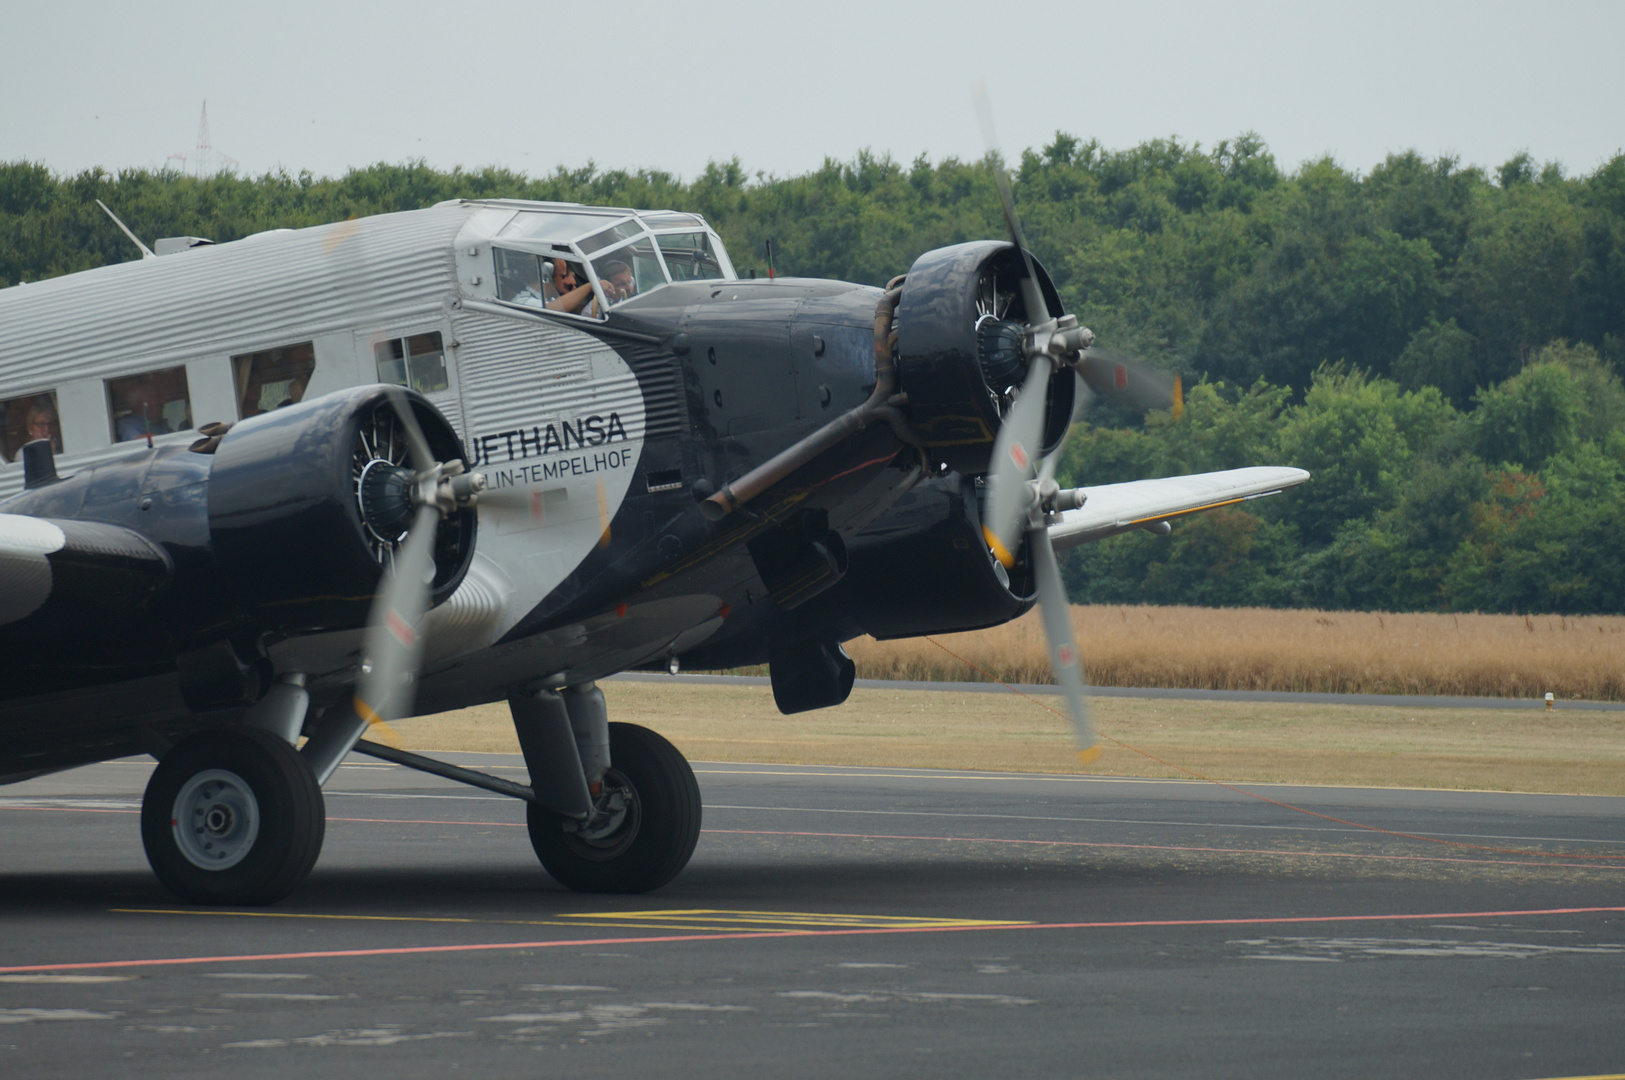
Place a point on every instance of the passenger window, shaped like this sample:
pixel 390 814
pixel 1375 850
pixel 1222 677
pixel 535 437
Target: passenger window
pixel 418 361
pixel 30 417
pixel 153 403
pixel 689 256
pixel 273 378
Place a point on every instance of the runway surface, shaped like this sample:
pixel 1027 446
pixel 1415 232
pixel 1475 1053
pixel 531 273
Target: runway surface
pixel 840 921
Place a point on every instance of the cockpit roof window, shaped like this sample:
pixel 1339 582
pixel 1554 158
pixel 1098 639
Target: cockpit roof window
pixel 671 219
pixel 598 241
pixel 565 227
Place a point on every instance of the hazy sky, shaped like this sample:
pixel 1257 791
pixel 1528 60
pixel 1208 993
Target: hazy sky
pixel 328 85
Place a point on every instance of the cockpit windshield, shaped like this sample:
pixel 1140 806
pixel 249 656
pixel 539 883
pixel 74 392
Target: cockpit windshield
pixel 584 263
pixel 628 270
pixel 689 256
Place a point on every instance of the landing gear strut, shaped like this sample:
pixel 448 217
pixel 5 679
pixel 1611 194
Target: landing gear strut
pixel 232 816
pixel 644 825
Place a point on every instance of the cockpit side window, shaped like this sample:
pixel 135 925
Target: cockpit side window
pixel 521 277
pixel 689 256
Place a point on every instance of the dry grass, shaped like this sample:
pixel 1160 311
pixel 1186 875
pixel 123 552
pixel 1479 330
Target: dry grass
pixel 1489 749
pixel 1264 649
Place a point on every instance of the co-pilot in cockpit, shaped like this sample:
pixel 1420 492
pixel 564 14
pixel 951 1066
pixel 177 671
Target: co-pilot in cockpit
pixel 579 262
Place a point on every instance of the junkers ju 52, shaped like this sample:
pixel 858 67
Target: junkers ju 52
pixel 263 497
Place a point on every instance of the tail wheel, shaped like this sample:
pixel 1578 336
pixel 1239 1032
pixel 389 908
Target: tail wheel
pixel 232 816
pixel 644 828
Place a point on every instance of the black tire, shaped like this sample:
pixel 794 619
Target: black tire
pixel 655 834
pixel 256 807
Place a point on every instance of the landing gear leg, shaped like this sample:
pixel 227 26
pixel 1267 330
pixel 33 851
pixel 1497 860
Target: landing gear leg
pixel 644 825
pixel 233 816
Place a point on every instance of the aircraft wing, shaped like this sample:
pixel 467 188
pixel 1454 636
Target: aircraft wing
pixel 1116 508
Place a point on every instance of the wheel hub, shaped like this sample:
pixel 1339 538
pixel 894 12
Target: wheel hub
pixel 216 819
pixel 617 815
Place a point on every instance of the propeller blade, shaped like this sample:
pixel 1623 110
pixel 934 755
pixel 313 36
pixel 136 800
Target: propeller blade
pixel 1056 614
pixel 1081 402
pixel 1129 382
pixel 1032 297
pixel 422 458
pixel 393 642
pixel 1004 516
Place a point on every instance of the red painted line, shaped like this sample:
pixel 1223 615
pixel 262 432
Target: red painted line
pixel 68 810
pixel 413 950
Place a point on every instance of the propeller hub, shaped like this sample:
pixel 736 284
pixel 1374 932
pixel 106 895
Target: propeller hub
pixel 385 492
pixel 1000 351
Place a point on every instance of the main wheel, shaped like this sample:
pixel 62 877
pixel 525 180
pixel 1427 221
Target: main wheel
pixel 645 822
pixel 232 816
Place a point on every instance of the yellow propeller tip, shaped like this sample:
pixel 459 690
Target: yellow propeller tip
pixel 1000 552
pixel 377 726
pixel 1089 756
pixel 1179 397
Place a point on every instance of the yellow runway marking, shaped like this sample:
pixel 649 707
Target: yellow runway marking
pixel 766 922
pixel 1598 1076
pixel 787 920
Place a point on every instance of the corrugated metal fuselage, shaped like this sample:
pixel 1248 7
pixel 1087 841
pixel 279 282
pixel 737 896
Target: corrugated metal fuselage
pixel 609 431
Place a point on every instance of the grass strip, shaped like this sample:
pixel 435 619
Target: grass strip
pixel 1470 749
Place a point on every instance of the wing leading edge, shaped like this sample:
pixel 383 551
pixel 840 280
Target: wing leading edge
pixel 1110 509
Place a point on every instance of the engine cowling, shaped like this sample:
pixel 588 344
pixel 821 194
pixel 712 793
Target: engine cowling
pixel 306 503
pixel 925 570
pixel 959 328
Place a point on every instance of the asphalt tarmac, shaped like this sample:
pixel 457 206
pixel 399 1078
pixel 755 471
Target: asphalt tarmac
pixel 839 921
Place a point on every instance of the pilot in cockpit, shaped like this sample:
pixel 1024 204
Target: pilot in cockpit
pixel 565 292
pixel 618 282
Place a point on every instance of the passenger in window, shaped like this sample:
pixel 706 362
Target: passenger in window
pixel 296 390
pixel 564 292
pixel 146 416
pixel 618 283
pixel 533 294
pixel 42 423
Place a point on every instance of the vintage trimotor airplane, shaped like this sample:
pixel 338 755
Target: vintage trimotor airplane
pixel 500 450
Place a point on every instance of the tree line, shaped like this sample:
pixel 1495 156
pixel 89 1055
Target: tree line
pixel 1440 344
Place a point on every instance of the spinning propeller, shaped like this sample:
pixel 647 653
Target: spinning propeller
pixel 1022 495
pixel 393 643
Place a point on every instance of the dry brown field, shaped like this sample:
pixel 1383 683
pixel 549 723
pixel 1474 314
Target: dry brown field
pixel 1575 751
pixel 1264 649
